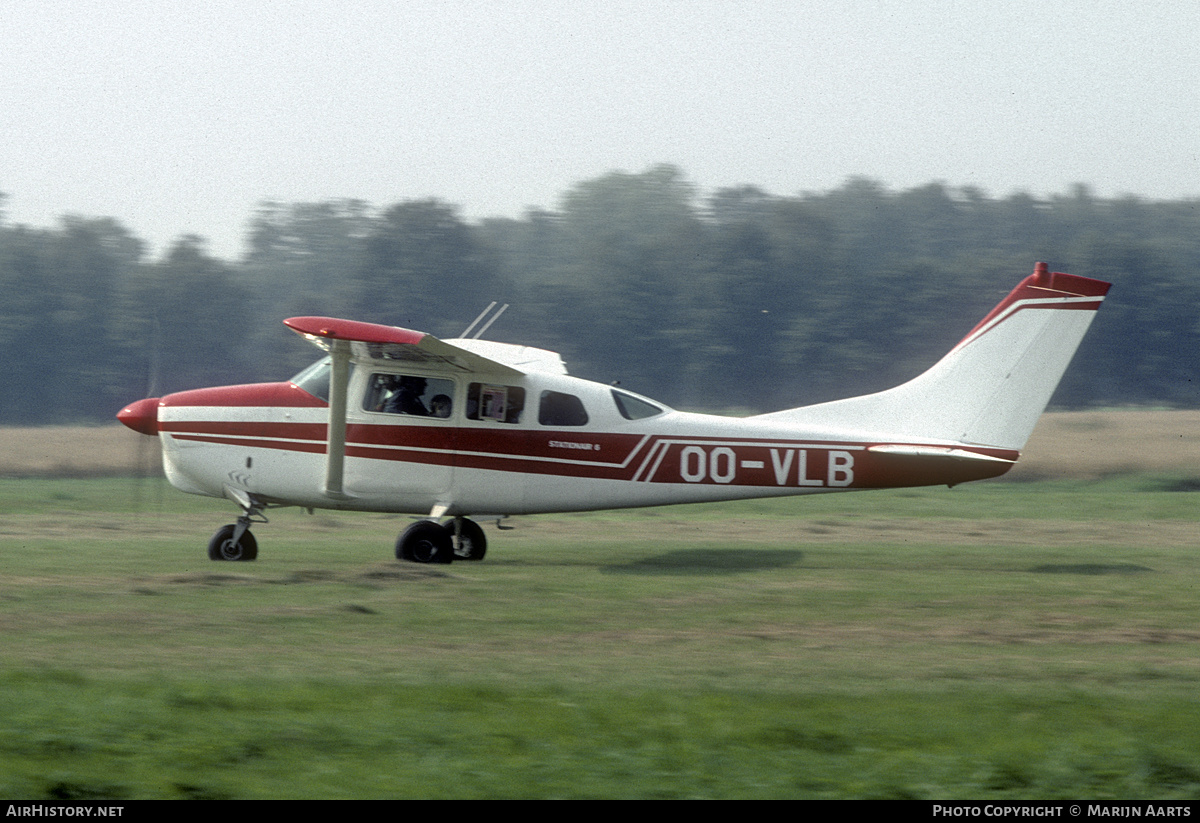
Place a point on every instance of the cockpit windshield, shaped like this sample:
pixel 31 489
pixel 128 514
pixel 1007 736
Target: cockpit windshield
pixel 315 379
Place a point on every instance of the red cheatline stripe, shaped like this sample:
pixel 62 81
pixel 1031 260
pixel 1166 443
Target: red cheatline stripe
pixel 645 470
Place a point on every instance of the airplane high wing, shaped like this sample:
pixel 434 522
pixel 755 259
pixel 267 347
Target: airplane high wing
pixel 395 420
pixel 378 342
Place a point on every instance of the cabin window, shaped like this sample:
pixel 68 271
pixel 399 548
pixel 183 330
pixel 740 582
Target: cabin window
pixel 409 394
pixel 634 408
pixel 486 401
pixel 559 409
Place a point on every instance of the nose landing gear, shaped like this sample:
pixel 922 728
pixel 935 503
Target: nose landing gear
pixel 235 542
pixel 229 544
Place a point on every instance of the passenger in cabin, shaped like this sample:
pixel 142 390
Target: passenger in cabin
pixel 439 406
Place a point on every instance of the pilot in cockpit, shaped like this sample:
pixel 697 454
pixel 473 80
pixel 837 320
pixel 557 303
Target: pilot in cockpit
pixel 406 398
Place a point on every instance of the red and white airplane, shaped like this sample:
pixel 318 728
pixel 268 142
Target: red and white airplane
pixel 393 420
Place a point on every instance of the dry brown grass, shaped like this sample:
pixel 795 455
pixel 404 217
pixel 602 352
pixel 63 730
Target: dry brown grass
pixel 76 451
pixel 1102 444
pixel 1065 444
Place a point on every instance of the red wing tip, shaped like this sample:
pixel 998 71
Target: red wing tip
pixel 319 326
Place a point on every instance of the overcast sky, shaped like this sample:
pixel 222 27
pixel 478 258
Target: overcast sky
pixel 180 117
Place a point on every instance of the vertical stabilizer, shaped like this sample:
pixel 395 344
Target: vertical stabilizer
pixel 993 386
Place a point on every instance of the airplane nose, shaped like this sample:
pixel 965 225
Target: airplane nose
pixel 141 416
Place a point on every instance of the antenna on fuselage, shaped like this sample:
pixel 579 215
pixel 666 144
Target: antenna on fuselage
pixel 486 325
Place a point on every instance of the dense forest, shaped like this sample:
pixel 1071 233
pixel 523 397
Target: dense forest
pixel 731 300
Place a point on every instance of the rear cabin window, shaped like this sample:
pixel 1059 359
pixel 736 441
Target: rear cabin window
pixel 503 404
pixel 409 394
pixel 559 409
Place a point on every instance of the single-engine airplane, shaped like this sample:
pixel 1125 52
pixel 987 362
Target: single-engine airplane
pixel 393 420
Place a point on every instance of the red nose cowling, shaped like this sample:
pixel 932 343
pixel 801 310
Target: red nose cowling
pixel 141 416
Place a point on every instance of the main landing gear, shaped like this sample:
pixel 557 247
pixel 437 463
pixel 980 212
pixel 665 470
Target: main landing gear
pixel 428 541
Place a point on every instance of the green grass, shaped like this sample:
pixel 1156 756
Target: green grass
pixel 313 739
pixel 992 641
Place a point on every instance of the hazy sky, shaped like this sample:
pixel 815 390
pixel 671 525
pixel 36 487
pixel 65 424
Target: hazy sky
pixel 180 117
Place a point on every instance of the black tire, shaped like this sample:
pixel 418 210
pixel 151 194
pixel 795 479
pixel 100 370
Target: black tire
pixel 222 547
pixel 471 543
pixel 425 542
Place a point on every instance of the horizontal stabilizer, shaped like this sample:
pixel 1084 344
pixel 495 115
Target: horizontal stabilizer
pixel 905 464
pixel 937 452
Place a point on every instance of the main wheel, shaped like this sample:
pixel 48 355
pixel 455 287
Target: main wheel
pixel 222 547
pixel 471 544
pixel 425 542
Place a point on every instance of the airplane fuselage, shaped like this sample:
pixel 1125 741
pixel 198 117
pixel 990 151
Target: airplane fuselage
pixel 569 446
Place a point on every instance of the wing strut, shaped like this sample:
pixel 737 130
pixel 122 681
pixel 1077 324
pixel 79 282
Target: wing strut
pixel 335 452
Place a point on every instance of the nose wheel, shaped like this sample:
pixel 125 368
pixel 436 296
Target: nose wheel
pixel 233 542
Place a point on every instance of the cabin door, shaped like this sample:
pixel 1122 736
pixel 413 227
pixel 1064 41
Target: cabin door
pixel 400 439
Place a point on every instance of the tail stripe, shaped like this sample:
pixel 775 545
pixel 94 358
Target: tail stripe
pixel 1005 312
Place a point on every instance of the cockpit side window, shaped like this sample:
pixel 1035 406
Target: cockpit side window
pixel 559 409
pixel 409 394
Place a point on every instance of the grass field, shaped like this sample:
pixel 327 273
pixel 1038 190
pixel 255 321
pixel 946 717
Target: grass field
pixel 999 640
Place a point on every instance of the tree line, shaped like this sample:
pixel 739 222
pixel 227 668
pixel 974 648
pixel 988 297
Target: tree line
pixel 736 299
